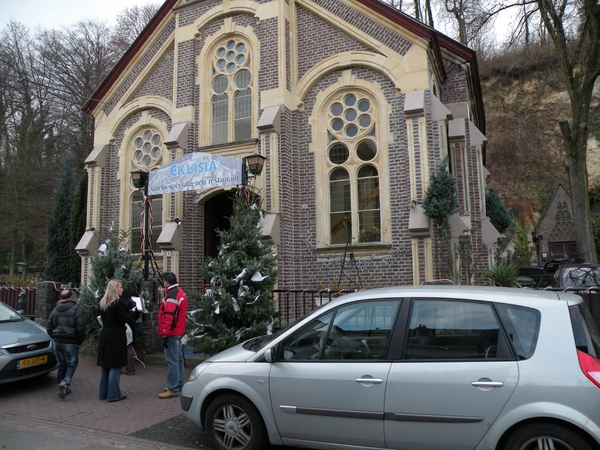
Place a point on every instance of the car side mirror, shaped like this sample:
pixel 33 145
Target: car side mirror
pixel 269 354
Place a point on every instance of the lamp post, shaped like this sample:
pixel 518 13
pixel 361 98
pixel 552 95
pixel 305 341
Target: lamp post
pixel 21 268
pixel 139 179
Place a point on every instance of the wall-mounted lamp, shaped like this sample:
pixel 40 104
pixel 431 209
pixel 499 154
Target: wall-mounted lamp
pixel 255 163
pixel 412 204
pixel 139 178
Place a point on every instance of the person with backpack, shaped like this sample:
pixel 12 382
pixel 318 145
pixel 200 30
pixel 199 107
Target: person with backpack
pixel 171 327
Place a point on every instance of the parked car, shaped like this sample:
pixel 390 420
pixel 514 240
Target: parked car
pixel 423 367
pixel 542 276
pixel 26 350
pixel 576 276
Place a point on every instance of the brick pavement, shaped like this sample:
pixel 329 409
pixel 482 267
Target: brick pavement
pixel 34 405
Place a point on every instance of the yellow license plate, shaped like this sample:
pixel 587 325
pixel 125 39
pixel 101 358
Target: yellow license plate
pixel 35 361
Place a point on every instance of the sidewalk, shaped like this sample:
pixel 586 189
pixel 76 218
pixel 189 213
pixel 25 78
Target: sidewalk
pixel 33 407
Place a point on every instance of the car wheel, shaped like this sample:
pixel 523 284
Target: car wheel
pixel 234 423
pixel 542 436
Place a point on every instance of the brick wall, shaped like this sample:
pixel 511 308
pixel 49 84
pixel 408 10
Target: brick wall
pixel 302 265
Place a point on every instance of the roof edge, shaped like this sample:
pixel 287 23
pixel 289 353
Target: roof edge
pixel 121 65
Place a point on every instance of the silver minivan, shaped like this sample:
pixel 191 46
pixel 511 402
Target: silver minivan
pixel 414 368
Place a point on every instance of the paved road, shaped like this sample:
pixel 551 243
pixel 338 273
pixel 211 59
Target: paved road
pixel 32 416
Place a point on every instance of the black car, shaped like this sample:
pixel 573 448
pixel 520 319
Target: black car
pixel 541 277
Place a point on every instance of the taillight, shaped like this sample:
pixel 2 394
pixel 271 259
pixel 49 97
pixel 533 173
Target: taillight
pixel 590 367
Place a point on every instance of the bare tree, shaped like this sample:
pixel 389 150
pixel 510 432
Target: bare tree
pixel 79 58
pixel 472 20
pixel 131 22
pixel 28 152
pixel 574 29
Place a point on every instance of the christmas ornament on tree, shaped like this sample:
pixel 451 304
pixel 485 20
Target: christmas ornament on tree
pixel 238 304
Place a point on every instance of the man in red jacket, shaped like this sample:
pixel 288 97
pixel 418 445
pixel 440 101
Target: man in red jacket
pixel 171 327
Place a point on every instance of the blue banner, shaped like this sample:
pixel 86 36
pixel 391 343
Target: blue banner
pixel 195 171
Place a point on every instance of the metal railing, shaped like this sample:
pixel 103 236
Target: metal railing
pixel 293 304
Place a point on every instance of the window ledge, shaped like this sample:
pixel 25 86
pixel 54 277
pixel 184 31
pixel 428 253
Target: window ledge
pixel 358 249
pixel 246 142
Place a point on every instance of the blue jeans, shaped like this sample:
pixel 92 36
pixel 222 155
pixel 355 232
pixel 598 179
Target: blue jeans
pixel 175 364
pixel 67 356
pixel 110 378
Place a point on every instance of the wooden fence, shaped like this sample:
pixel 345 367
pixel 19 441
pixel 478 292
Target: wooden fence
pixel 10 296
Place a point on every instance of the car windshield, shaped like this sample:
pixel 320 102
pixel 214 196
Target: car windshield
pixel 255 344
pixel 8 314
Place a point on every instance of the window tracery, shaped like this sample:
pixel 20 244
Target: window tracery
pixel 231 89
pixel 355 210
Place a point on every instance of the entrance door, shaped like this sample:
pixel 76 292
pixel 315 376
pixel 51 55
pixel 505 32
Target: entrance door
pixel 217 212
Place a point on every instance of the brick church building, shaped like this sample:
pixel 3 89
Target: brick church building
pixel 352 103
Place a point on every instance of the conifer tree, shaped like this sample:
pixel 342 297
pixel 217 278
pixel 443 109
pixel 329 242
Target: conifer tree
pixel 238 304
pixel 439 203
pixel 113 261
pixel 78 224
pixel 496 211
pixel 58 248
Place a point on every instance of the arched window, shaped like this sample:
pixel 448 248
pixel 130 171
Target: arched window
pixel 355 211
pixel 231 89
pixel 147 155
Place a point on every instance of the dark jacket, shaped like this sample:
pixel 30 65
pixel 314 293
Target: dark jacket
pixel 112 341
pixel 66 323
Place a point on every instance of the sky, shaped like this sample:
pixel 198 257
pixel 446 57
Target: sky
pixel 62 13
pixel 59 13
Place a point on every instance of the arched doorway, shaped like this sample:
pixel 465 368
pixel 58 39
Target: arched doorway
pixel 217 212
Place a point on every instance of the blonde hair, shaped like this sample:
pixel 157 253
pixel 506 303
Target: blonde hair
pixel 110 296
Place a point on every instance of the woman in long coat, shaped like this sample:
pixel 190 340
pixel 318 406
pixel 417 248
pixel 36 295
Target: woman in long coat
pixel 112 342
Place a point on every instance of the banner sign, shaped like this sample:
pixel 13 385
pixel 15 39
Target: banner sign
pixel 195 171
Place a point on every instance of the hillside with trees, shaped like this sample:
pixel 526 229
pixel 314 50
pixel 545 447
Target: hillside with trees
pixel 525 101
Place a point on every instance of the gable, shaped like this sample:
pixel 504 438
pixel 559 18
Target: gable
pixel 142 63
pixel 160 80
pixel 331 41
pixel 366 24
pixel 556 222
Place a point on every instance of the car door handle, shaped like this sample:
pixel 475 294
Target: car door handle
pixel 369 380
pixel 487 383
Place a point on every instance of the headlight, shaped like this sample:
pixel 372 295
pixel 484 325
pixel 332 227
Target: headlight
pixel 198 370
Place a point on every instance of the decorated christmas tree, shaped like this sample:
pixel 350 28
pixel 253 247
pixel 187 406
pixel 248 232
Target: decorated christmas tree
pixel 113 261
pixel 237 306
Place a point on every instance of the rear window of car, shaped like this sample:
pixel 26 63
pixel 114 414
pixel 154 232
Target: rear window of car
pixel 585 331
pixel 454 330
pixel 522 326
